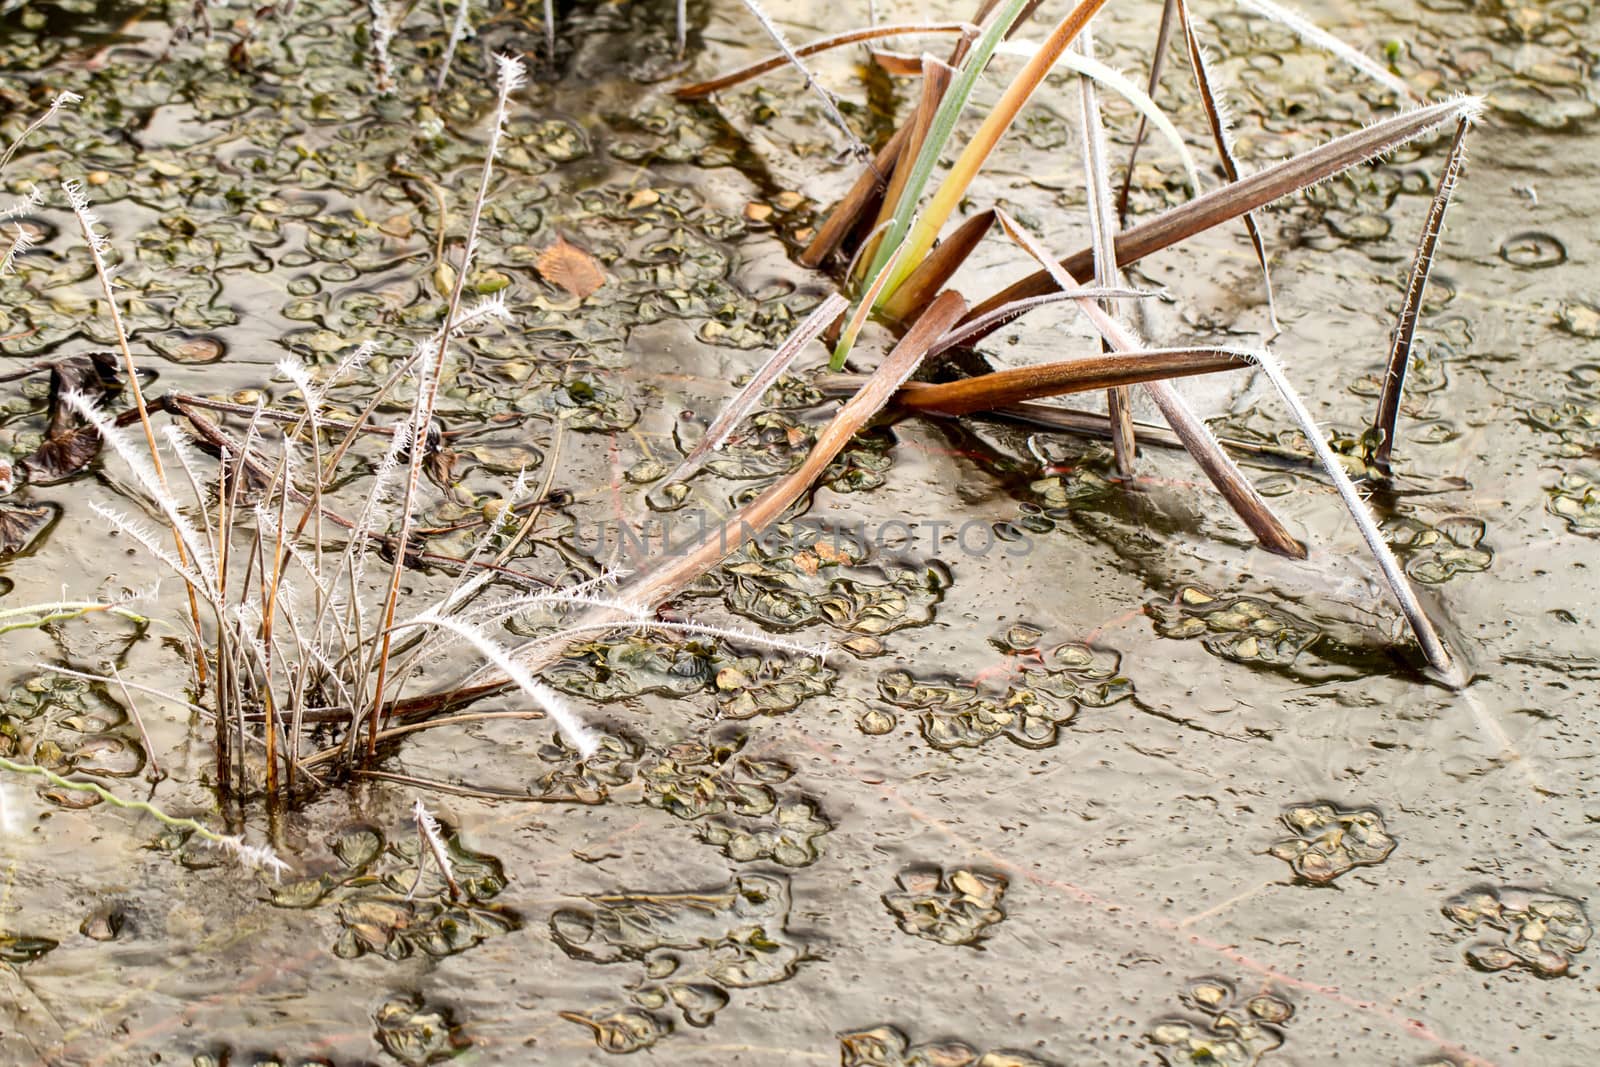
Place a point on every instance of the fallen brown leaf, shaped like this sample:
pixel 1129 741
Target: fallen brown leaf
pixel 566 266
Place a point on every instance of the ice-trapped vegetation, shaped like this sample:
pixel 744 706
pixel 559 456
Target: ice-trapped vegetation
pixel 1028 534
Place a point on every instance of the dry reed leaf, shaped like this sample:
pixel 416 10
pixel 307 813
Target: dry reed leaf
pixel 566 266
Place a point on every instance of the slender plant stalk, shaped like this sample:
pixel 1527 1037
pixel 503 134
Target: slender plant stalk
pixel 1103 231
pixel 967 333
pixel 703 89
pixel 1158 60
pixel 97 244
pixel 1394 378
pixel 138 721
pixel 62 99
pixel 829 106
pixel 512 77
pixel 1314 35
pixel 458 30
pixel 433 843
pixel 33 616
pixel 1432 647
pixel 1217 119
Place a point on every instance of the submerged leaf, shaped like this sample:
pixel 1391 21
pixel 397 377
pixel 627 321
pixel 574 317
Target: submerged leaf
pixel 568 267
pixel 20 524
pixel 60 457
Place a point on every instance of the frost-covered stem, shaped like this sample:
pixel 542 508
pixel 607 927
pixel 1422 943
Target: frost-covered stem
pixel 1158 59
pixel 433 842
pixel 857 149
pixel 96 243
pixel 457 31
pixel 259 857
pixel 61 100
pixel 382 33
pixel 1221 122
pixel 571 727
pixel 229 650
pixel 1387 416
pixel 269 612
pixel 683 26
pixel 512 77
pixel 421 417
pixel 1393 573
pixel 550 30
pixel 1313 34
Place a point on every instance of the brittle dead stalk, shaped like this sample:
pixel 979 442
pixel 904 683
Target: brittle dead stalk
pixel 98 244
pixel 512 76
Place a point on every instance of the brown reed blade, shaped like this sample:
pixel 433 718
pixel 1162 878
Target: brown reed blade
pixel 1236 198
pixel 1081 423
pixel 1394 378
pixel 699 90
pixel 1104 371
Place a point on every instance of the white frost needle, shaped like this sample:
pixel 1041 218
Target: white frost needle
pixel 22 241
pixel 24 204
pixel 78 200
